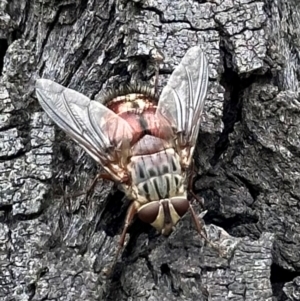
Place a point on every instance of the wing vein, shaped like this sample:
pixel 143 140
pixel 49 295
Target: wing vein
pixel 182 100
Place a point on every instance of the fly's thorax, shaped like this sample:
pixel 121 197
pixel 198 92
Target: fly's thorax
pixel 164 214
pixel 157 176
pixel 150 144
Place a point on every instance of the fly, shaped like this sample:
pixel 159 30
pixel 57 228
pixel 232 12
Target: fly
pixel 145 144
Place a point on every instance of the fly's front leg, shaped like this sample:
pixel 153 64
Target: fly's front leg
pixel 131 212
pixel 198 223
pixel 199 226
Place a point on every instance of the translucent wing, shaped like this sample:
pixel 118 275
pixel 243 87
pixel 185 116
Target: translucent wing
pixel 182 100
pixel 99 131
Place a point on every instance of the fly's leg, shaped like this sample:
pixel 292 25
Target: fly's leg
pixel 190 185
pixel 132 210
pixel 88 191
pixel 201 230
pixel 198 224
pixel 157 57
pixel 103 176
pixel 197 198
pixel 156 78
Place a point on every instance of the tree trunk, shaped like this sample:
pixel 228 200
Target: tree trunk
pixel 58 246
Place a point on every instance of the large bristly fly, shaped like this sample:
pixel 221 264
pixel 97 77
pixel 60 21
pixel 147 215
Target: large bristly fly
pixel 144 144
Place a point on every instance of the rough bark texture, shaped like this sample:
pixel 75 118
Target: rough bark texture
pixel 247 157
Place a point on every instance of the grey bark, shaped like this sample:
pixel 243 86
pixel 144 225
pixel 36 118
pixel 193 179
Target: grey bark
pixel 247 159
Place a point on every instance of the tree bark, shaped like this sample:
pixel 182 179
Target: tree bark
pixel 58 247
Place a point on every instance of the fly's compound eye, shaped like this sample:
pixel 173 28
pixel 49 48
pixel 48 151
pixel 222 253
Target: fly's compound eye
pixel 148 213
pixel 181 205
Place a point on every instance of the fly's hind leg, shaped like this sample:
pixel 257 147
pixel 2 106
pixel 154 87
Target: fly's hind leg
pixel 157 58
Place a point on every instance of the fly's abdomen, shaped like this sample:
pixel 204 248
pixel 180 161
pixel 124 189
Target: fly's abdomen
pixel 158 175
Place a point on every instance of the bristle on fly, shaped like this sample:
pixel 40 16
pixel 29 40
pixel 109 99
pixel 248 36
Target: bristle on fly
pixel 129 93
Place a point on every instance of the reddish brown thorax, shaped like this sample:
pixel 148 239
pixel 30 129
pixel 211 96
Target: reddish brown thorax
pixel 139 110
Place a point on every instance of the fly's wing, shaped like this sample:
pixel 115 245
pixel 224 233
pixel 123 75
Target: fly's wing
pixel 182 100
pixel 99 131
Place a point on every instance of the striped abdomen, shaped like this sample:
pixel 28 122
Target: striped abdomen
pixel 157 173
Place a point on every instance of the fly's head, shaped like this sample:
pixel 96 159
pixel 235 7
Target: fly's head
pixel 164 214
